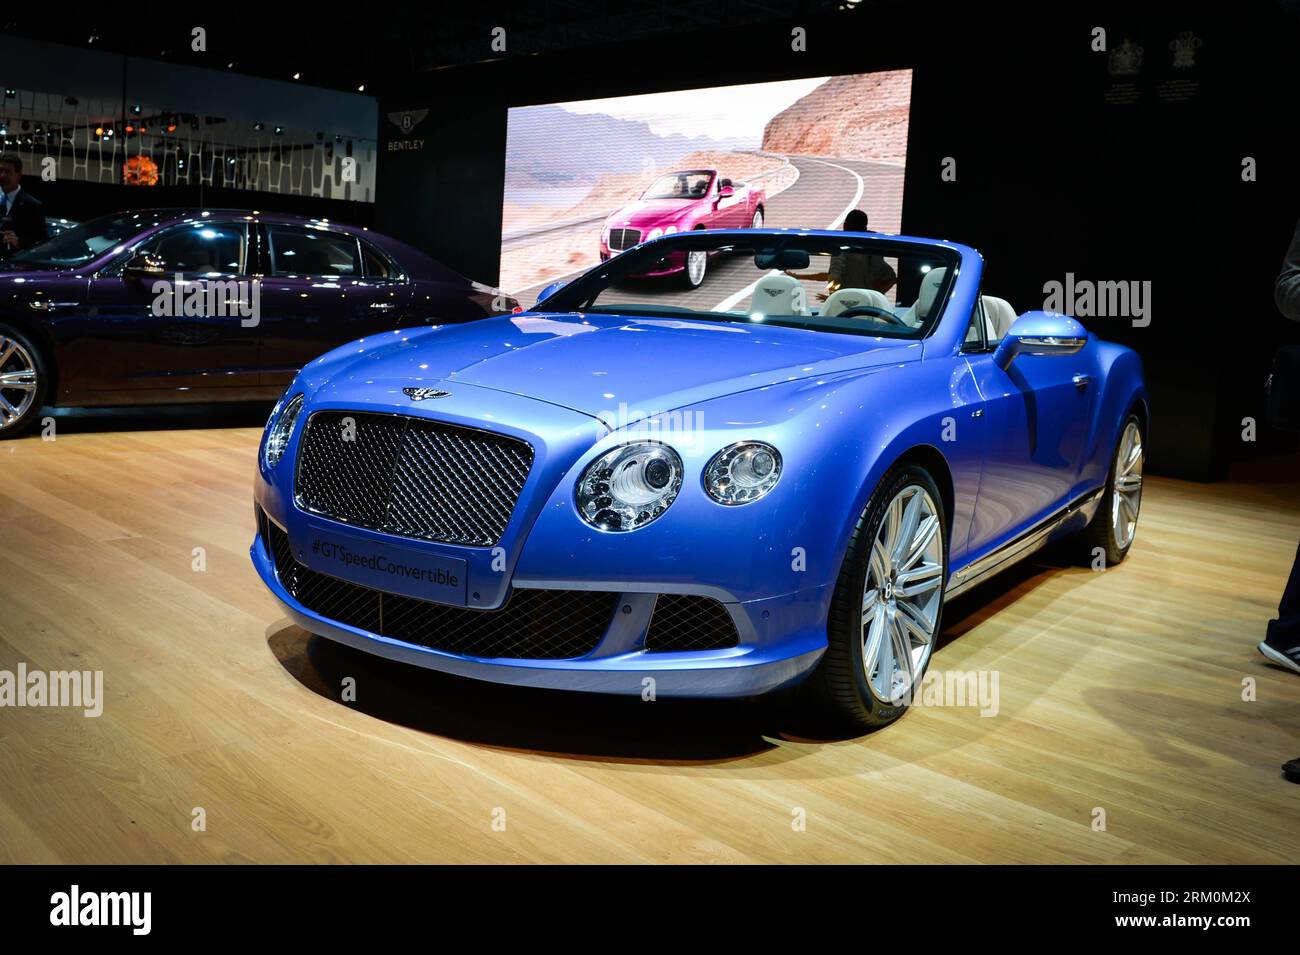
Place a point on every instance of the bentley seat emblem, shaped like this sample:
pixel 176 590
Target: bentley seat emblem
pixel 419 394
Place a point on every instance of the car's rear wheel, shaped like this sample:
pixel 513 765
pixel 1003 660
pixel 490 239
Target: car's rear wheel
pixel 23 381
pixel 1114 526
pixel 888 604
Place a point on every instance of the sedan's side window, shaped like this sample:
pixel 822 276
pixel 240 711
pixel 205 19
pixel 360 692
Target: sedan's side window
pixel 378 265
pixel 207 249
pixel 309 253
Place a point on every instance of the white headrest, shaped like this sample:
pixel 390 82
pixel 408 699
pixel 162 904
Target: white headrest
pixel 847 298
pixel 1000 314
pixel 929 290
pixel 778 294
pixel 925 297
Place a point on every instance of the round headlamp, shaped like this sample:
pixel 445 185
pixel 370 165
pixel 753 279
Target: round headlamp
pixel 278 430
pixel 629 487
pixel 742 473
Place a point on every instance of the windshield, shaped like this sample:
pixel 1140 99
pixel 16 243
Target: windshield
pixel 680 185
pixel 83 243
pixel 849 283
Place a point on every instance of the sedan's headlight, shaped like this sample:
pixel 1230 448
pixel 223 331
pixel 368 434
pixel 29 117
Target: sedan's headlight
pixel 630 486
pixel 655 233
pixel 278 430
pixel 742 473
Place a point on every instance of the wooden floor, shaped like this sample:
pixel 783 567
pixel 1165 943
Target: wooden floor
pixel 1119 691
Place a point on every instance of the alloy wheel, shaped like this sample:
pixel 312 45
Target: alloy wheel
pixel 696 262
pixel 902 595
pixel 17 381
pixel 1128 486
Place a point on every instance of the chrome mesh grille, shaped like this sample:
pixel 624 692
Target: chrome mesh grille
pixel 411 476
pixel 532 625
pixel 620 239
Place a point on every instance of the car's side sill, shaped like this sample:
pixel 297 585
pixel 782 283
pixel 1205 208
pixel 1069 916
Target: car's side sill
pixel 1019 547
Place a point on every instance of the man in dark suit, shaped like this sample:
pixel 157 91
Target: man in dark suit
pixel 22 217
pixel 1281 645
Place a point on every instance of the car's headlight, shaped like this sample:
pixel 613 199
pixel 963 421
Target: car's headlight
pixel 278 430
pixel 630 486
pixel 742 473
pixel 655 233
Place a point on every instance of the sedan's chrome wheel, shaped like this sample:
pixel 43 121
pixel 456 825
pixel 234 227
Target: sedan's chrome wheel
pixel 902 595
pixel 1128 486
pixel 696 263
pixel 17 381
pixel 758 219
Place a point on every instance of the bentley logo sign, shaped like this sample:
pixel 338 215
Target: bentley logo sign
pixel 408 119
pixel 419 394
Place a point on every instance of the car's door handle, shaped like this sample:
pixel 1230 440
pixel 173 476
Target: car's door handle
pixel 1082 381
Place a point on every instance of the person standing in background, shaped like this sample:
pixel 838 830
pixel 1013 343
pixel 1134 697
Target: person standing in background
pixel 1281 644
pixel 22 216
pixel 852 269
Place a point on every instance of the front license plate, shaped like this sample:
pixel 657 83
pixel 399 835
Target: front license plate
pixel 389 567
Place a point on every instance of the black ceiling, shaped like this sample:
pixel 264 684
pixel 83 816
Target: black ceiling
pixel 338 48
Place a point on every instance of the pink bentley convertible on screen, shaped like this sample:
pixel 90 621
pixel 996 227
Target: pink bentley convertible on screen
pixel 679 202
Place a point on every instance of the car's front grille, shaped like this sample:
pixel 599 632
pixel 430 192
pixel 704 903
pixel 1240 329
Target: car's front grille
pixel 532 625
pixel 620 239
pixel 411 476
pixel 689 622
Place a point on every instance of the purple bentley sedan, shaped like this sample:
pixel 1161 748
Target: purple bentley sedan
pixel 683 201
pixel 167 306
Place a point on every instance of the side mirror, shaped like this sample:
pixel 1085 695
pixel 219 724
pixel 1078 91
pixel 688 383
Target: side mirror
pixel 1040 333
pixel 550 290
pixel 725 191
pixel 143 266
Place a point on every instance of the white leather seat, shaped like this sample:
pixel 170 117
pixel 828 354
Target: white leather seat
pixel 847 298
pixel 998 316
pixel 778 294
pixel 925 297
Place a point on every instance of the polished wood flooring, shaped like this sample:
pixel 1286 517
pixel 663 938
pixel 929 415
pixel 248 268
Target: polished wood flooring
pixel 1121 693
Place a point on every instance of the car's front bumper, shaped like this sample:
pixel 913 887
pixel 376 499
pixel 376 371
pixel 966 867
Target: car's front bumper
pixel 768 657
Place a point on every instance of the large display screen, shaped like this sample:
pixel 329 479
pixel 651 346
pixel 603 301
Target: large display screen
pixel 587 180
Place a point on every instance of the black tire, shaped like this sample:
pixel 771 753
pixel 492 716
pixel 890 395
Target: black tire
pixel 25 351
pixel 1100 532
pixel 838 688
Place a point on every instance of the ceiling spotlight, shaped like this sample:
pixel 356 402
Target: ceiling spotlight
pixel 279 130
pixel 361 88
pixel 297 76
pixel 10 92
pixel 136 109
pixel 259 126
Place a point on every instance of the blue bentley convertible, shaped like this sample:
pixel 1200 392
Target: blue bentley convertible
pixel 715 491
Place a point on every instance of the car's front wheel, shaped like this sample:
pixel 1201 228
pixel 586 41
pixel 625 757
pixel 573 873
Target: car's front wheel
pixel 757 222
pixel 23 382
pixel 888 604
pixel 1114 526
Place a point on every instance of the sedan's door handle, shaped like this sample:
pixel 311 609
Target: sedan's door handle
pixel 1082 381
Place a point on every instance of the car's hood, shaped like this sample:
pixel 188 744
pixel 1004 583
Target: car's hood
pixel 612 368
pixel 644 213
